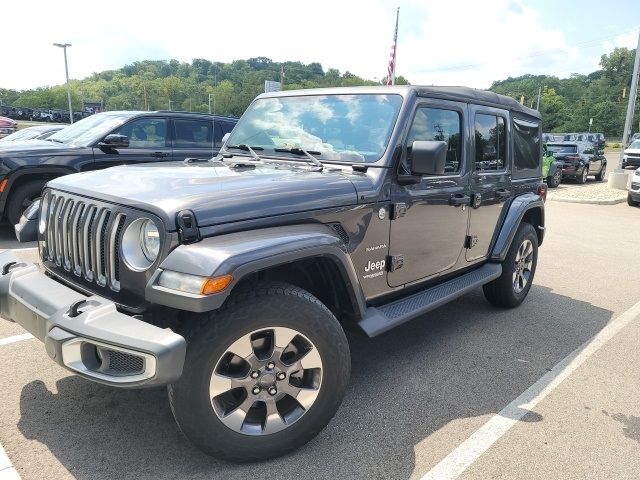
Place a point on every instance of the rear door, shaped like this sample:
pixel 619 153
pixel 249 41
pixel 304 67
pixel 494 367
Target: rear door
pixel 490 177
pixel 194 138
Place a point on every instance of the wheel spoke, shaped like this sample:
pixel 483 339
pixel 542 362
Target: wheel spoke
pixel 219 384
pixel 236 418
pixel 242 347
pixel 283 337
pixel 311 359
pixel 304 396
pixel 274 422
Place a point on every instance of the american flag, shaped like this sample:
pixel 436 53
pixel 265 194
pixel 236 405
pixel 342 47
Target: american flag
pixel 391 69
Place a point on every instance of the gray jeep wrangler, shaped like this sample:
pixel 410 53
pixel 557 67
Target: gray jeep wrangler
pixel 230 280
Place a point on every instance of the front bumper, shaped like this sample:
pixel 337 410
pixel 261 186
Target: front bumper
pixel 87 335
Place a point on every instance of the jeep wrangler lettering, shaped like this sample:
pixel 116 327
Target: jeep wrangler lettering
pixel 229 280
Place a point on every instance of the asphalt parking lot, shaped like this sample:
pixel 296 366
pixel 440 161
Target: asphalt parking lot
pixel 419 395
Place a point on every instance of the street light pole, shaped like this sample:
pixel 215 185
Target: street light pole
pixel 66 71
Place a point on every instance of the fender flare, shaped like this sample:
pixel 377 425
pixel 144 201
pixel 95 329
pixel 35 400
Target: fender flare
pixel 553 168
pixel 517 210
pixel 33 171
pixel 243 253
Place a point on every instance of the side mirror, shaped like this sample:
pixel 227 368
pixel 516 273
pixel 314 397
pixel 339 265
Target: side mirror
pixel 114 140
pixel 225 137
pixel 428 157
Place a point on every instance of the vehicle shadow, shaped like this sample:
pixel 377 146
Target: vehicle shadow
pixel 462 361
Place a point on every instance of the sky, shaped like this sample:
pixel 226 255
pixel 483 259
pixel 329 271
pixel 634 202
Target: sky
pixel 450 42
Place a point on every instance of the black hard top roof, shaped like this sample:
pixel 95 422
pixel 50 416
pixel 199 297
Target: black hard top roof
pixel 464 94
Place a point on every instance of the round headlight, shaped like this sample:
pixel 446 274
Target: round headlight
pixel 150 240
pixel 140 244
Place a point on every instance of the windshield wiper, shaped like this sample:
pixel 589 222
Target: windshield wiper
pixel 247 148
pixel 302 151
pixel 54 140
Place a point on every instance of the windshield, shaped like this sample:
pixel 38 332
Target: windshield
pixel 344 128
pixel 89 130
pixel 562 148
pixel 635 144
pixel 25 134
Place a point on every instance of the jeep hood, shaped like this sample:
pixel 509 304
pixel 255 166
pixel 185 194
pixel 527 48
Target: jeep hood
pixel 33 147
pixel 215 192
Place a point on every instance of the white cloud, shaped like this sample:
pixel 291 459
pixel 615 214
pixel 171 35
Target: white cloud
pixel 497 39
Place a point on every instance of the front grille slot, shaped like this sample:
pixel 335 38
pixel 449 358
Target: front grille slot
pixel 84 238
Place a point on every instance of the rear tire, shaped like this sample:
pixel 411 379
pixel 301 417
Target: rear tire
pixel 582 179
pixel 602 173
pixel 230 420
pixel 555 180
pixel 518 269
pixel 21 197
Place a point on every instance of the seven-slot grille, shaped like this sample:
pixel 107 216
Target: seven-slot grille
pixel 84 238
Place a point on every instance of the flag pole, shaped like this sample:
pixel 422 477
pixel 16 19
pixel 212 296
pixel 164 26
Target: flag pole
pixel 391 69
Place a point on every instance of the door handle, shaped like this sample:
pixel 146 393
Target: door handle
pixel 159 154
pixel 459 199
pixel 503 193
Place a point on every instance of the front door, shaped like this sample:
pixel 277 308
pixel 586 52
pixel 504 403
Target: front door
pixel 148 142
pixel 490 178
pixel 430 224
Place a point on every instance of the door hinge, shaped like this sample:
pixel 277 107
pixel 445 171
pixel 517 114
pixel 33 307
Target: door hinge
pixel 470 241
pixel 398 210
pixel 395 262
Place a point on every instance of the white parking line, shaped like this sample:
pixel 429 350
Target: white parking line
pixel 454 464
pixel 15 338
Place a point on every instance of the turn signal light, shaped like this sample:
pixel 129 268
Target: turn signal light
pixel 215 284
pixel 3 185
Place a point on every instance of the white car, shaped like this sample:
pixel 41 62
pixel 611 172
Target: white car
pixel 633 197
pixel 631 155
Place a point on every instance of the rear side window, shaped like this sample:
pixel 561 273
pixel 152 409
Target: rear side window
pixel 526 148
pixel 440 125
pixel 490 143
pixel 193 134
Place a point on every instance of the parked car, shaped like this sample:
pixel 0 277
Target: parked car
pixel 631 155
pixel 100 141
pixel 38 132
pixel 7 126
pixel 634 137
pixel 596 139
pixel 230 281
pixel 633 197
pixel 579 160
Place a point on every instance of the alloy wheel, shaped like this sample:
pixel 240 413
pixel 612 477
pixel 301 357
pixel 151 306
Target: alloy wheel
pixel 523 265
pixel 266 381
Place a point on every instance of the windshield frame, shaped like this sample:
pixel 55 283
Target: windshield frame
pixel 102 119
pixel 381 159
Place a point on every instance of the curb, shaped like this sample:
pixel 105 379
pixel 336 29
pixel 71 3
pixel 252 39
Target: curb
pixel 591 202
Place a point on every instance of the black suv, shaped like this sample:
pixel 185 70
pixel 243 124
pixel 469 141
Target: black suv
pixel 580 159
pixel 230 280
pixel 100 141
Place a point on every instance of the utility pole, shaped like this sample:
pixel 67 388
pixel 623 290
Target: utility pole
pixel 539 93
pixel 66 71
pixel 631 104
pixel 282 77
pixel 619 179
pixel 146 104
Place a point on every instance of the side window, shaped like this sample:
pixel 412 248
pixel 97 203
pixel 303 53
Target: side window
pixel 526 147
pixel 440 125
pixel 146 133
pixel 490 143
pixel 192 133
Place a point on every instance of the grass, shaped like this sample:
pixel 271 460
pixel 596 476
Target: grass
pixel 29 123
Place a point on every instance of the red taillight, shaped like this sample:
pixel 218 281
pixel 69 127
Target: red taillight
pixel 542 191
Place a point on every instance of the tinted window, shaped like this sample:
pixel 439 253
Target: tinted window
pixel 436 124
pixel 146 133
pixel 526 148
pixel 193 134
pixel 490 143
pixel 562 148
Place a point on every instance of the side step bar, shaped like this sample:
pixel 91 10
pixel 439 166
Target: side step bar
pixel 379 319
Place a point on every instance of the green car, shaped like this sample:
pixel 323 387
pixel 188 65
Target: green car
pixel 551 169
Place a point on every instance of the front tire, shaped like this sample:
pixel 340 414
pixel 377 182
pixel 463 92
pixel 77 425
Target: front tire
pixel 262 377
pixel 518 269
pixel 21 197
